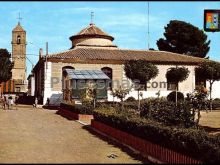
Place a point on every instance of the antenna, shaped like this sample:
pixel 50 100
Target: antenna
pixel 19 18
pixel 148 25
pixel 92 17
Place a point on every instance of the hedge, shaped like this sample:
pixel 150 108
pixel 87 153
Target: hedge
pixel 172 96
pixel 79 109
pixel 168 113
pixel 192 142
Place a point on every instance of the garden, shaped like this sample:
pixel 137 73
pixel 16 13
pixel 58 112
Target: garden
pixel 171 122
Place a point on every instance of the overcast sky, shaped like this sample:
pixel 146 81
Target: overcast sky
pixel 55 22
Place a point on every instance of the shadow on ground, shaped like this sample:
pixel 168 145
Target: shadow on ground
pixel 124 148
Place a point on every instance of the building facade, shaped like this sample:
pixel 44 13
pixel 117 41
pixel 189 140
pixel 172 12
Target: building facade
pixel 18 82
pixel 19 58
pixel 93 49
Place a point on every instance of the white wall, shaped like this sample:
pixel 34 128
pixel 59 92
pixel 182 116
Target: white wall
pixel 159 83
pixel 215 89
pixel 32 86
pixel 54 96
pixel 186 86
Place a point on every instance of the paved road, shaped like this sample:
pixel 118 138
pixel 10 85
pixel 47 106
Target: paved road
pixel 30 135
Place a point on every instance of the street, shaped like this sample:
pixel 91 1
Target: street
pixel 30 135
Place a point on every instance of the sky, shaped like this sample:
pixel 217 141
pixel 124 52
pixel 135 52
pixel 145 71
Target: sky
pixel 54 22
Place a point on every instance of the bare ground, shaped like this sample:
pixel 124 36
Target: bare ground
pixel 210 121
pixel 30 135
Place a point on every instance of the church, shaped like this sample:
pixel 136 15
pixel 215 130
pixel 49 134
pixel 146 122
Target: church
pixel 92 51
pixel 18 82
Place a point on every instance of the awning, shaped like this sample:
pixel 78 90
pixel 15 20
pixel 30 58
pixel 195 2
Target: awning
pixel 86 74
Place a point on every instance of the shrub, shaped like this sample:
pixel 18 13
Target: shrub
pixel 217 99
pixel 80 109
pixel 172 96
pixel 130 99
pixel 168 113
pixel 195 143
pixel 216 104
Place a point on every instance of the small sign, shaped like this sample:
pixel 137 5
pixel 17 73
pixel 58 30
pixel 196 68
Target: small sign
pixel 212 20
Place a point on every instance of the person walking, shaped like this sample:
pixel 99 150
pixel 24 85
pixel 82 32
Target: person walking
pixel 10 102
pixel 48 101
pixel 36 102
pixel 3 102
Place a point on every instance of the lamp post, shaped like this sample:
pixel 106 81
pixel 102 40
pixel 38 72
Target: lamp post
pixel 211 82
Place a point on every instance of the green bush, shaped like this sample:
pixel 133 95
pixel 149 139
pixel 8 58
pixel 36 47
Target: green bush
pixel 168 113
pixel 127 105
pixel 130 99
pixel 217 99
pixel 80 109
pixel 216 103
pixel 192 142
pixel 172 96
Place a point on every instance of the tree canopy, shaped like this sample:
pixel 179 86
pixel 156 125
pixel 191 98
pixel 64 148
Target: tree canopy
pixel 184 38
pixel 140 70
pixel 177 74
pixel 5 65
pixel 209 71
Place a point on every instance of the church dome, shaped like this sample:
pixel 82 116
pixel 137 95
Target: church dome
pixel 92 36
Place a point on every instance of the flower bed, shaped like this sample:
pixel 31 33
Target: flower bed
pixel 194 144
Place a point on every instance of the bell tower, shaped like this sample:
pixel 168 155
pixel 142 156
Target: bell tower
pixel 19 57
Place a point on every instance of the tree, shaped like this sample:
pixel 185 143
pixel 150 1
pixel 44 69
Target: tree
pixel 177 75
pixel 6 65
pixel 209 71
pixel 184 38
pixel 121 94
pixel 142 71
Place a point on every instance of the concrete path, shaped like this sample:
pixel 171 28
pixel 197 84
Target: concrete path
pixel 30 135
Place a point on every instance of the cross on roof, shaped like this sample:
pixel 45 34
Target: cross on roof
pixel 92 16
pixel 19 18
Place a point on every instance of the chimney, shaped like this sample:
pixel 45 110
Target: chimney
pixel 40 53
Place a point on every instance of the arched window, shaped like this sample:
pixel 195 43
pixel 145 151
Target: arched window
pixel 64 85
pixel 108 72
pixel 18 39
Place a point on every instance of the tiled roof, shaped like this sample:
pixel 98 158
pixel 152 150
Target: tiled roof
pixel 124 54
pixel 18 28
pixel 91 30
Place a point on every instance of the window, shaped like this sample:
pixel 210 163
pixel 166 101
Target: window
pixel 108 72
pixel 18 39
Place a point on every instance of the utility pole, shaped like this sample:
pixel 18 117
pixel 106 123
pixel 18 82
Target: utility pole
pixel 148 23
pixel 46 53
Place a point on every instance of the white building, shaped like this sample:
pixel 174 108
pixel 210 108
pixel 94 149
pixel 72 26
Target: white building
pixel 93 49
